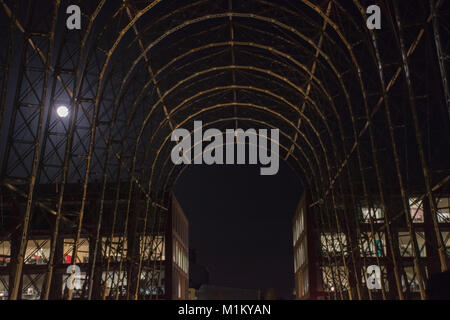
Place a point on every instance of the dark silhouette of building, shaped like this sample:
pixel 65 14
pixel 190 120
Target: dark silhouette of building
pixel 198 274
pixel 438 286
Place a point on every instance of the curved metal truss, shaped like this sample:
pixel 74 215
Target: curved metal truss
pixel 363 118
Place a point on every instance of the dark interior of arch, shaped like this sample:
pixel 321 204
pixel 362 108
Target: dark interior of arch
pixel 363 117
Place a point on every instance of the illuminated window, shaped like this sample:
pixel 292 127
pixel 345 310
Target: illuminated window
pixel 4 280
pixel 152 247
pixel 375 213
pixel 301 253
pixel 372 245
pixel 446 238
pixel 299 225
pixel 339 275
pixel 31 287
pixel 409 280
pixel 416 209
pixel 5 253
pixel 333 243
pixel 305 282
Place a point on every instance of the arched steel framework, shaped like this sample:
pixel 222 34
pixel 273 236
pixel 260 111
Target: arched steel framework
pixel 363 118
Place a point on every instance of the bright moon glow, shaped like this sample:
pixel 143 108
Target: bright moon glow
pixel 62 111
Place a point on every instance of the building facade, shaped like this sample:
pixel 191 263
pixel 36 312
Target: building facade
pixel 357 259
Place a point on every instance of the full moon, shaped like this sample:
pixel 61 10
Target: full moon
pixel 62 111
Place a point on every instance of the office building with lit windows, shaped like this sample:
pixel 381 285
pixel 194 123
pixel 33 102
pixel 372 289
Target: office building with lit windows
pixel 331 259
pixel 177 240
pixel 151 242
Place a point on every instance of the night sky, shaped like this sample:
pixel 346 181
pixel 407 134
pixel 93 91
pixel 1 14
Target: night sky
pixel 241 224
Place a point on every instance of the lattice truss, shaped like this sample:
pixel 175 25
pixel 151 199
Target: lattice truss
pixel 363 118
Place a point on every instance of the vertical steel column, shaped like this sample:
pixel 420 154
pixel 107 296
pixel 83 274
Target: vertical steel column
pixel 417 266
pixel 37 142
pixel 440 54
pixel 4 77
